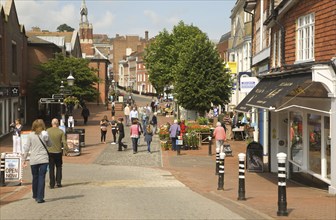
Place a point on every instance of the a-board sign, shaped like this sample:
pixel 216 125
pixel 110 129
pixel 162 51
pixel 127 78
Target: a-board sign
pixel 13 167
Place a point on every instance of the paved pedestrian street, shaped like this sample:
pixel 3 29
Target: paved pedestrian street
pixel 96 191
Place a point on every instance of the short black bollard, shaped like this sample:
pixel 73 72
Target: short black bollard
pixel 210 151
pixel 2 170
pixel 217 161
pixel 221 171
pixel 241 187
pixel 282 201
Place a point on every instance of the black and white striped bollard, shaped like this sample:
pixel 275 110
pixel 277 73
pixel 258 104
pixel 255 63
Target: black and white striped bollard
pixel 241 186
pixel 217 160
pixel 221 171
pixel 2 170
pixel 282 201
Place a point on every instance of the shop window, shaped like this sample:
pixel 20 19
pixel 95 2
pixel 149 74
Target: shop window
pixel 296 137
pixel 314 135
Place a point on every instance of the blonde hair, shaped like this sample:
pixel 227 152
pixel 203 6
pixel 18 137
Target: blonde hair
pixel 148 129
pixel 38 126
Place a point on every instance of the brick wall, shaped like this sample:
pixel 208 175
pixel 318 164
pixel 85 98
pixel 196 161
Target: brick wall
pixel 325 29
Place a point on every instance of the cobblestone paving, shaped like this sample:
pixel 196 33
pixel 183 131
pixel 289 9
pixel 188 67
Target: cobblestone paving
pixel 111 155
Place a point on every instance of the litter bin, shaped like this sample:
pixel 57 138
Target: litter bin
pixel 254 157
pixel 81 132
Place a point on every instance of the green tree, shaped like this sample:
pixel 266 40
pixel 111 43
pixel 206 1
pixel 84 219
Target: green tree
pixel 65 28
pixel 58 69
pixel 192 65
pixel 159 61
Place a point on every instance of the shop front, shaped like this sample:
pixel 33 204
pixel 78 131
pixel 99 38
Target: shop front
pixel 297 110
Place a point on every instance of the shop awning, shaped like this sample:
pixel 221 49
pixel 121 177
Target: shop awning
pixel 270 90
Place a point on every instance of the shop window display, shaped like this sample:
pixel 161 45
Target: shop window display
pixel 296 137
pixel 314 135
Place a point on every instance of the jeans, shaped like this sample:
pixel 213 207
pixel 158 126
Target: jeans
pixel 102 136
pixel 114 134
pixel 173 139
pixel 38 172
pixel 148 146
pixel 135 144
pixel 55 160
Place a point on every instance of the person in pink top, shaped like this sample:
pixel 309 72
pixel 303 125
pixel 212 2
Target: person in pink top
pixel 135 133
pixel 220 136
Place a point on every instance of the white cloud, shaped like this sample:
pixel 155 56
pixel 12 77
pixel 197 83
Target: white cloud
pixel 105 23
pixel 46 14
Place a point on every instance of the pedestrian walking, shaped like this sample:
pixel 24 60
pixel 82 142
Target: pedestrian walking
pixel 113 109
pixel 85 114
pixel 135 134
pixel 134 114
pixel 17 127
pixel 37 143
pixel 113 124
pixel 148 137
pixel 140 131
pixel 127 115
pixel 220 136
pixel 121 132
pixel 59 144
pixel 104 123
pixel 228 125
pixel 174 132
pixel 154 122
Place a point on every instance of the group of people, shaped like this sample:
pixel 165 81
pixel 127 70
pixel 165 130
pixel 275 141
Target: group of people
pixel 45 149
pixel 142 121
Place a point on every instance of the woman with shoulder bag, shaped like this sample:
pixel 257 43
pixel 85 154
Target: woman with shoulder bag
pixel 103 129
pixel 37 143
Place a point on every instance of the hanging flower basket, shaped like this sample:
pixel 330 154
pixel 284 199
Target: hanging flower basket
pixel 71 100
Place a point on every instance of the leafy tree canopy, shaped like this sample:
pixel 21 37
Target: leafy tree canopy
pixel 58 69
pixel 64 28
pixel 188 60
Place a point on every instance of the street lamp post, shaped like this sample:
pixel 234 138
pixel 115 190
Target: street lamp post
pixel 70 82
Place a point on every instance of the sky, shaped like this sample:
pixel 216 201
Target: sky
pixel 128 17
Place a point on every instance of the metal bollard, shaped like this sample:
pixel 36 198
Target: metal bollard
pixel 282 201
pixel 210 151
pixel 241 186
pixel 221 171
pixel 2 170
pixel 217 161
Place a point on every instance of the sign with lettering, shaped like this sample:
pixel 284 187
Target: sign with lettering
pixel 13 167
pixel 51 100
pixel 248 83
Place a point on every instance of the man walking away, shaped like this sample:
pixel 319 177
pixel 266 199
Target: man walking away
pixel 85 114
pixel 57 138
